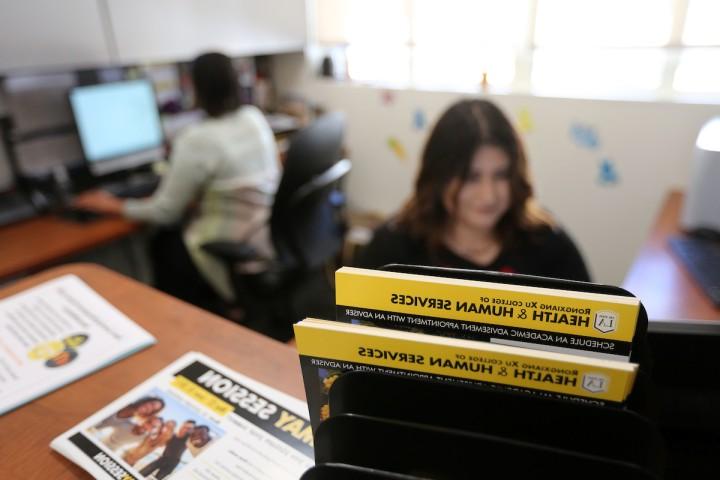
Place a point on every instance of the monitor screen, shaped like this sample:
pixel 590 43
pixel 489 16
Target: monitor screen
pixel 118 124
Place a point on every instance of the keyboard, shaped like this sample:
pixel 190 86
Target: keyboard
pixel 701 257
pixel 133 187
pixel 15 207
pixel 78 215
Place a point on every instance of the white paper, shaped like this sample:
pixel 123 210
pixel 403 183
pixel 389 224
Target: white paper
pixel 242 429
pixel 57 332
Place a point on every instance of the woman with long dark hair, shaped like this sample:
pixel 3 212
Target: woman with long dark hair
pixel 473 205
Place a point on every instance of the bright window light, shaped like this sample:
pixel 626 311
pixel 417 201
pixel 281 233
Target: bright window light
pixel 379 22
pixel 433 67
pixel 456 41
pixel 378 34
pixel 698 71
pixel 597 72
pixel 575 48
pixel 362 21
pixel 701 23
pixel 603 23
pixel 386 64
pixel 470 23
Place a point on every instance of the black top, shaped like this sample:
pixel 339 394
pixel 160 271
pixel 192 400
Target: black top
pixel 548 252
pixel 175 447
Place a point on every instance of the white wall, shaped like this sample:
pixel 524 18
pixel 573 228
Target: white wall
pixel 650 145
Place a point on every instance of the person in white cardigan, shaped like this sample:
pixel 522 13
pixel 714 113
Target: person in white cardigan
pixel 222 178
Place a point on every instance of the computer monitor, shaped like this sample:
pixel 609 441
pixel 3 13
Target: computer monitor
pixel 118 124
pixel 701 209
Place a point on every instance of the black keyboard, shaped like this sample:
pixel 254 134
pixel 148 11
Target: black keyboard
pixel 78 215
pixel 133 187
pixel 701 257
pixel 15 207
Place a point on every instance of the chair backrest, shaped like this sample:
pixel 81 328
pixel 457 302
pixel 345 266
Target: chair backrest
pixel 306 226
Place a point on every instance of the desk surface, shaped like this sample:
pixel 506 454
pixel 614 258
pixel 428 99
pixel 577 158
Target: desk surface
pixel 25 433
pixel 38 243
pixel 660 280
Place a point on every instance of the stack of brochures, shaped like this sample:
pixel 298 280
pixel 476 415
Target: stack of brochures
pixel 477 372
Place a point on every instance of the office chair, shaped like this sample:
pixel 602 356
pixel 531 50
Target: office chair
pixel 308 229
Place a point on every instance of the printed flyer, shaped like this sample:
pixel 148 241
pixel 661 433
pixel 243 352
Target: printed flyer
pixel 195 419
pixel 57 332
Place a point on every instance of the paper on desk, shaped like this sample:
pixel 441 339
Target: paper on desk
pixel 57 332
pixel 195 419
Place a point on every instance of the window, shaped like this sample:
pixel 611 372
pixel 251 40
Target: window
pixel 589 48
pixel 615 46
pixel 603 23
pixel 599 72
pixel 701 23
pixel 371 63
pixel 698 71
pixel 457 41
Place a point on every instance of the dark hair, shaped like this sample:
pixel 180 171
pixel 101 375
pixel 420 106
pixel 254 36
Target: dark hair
pixel 464 127
pixel 206 438
pixel 129 409
pixel 215 82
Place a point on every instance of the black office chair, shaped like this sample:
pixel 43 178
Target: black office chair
pixel 308 229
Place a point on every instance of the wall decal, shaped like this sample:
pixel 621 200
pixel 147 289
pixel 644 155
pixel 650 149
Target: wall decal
pixel 584 136
pixel 419 120
pixel 397 148
pixel 387 97
pixel 607 173
pixel 525 123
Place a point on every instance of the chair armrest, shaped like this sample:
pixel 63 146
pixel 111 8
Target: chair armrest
pixel 231 252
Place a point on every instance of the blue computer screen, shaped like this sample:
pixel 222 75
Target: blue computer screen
pixel 115 119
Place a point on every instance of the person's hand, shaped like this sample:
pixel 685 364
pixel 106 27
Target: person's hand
pixel 99 201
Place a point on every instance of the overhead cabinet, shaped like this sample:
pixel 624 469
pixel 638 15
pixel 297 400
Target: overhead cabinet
pixel 50 33
pixel 46 34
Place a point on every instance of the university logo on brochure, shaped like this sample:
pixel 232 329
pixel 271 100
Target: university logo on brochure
pixel 595 382
pixel 57 353
pixel 606 321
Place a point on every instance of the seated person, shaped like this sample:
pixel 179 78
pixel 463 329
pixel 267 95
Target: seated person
pixel 227 168
pixel 473 205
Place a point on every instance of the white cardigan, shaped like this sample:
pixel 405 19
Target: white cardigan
pixel 230 166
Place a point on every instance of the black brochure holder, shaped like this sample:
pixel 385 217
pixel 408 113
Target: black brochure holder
pixel 641 399
pixel 427 451
pixel 614 433
pixel 335 471
pixel 432 429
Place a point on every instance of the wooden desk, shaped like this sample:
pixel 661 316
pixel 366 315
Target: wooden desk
pixel 29 246
pixel 661 282
pixel 25 433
